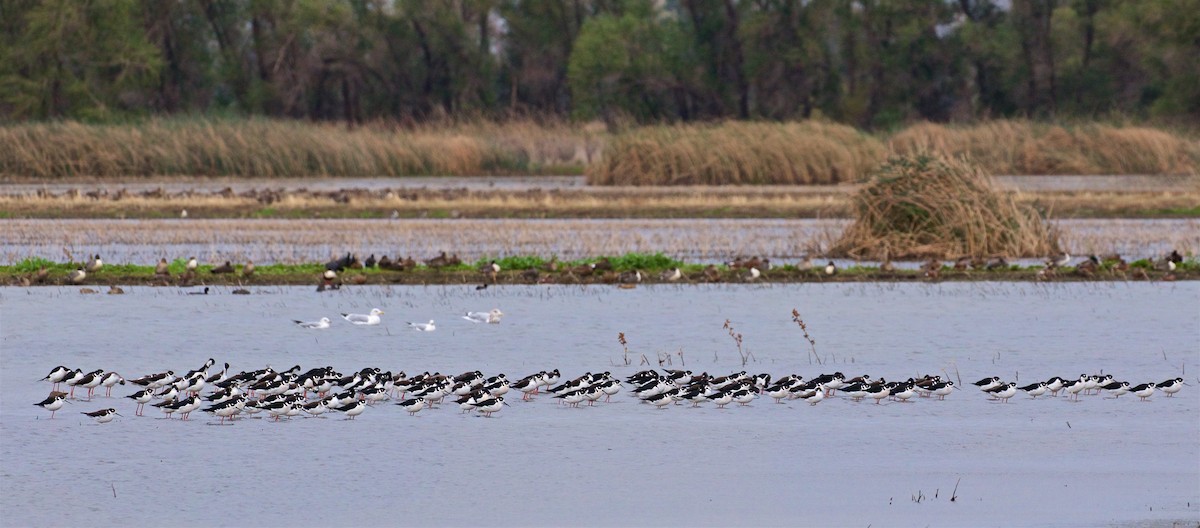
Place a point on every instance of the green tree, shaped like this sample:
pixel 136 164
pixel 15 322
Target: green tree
pixel 80 59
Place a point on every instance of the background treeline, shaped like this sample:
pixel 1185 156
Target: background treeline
pixel 868 63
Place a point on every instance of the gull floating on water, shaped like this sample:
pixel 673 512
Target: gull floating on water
pixel 364 319
pixel 314 325
pixel 423 327
pixel 492 317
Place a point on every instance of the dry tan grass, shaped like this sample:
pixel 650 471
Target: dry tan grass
pixel 1024 147
pixel 265 148
pixel 930 205
pixel 809 152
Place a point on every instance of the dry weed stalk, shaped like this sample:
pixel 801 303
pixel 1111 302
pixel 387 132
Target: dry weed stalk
pixel 737 340
pixel 624 345
pixel 811 342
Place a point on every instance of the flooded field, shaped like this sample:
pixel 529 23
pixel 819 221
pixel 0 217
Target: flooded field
pixel 1043 462
pixel 709 240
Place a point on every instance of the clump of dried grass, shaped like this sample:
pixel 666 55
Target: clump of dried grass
pixel 931 205
pixel 809 152
pixel 1024 147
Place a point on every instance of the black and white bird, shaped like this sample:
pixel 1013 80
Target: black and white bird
pixel 353 408
pixel 1144 391
pixel 53 403
pixel 142 397
pixel 489 406
pixel 1035 389
pixel 1171 386
pixel 103 415
pixel 987 384
pixel 57 375
pixel 413 406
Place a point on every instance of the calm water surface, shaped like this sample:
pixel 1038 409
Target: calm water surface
pixel 1043 462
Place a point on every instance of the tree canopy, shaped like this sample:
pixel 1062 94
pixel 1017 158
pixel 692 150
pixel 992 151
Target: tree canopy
pixel 870 63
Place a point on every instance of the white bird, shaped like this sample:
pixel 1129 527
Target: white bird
pixel 364 319
pixel 423 327
pixel 315 325
pixel 491 317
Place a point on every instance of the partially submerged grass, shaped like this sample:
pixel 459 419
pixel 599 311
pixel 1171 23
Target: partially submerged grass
pixel 798 153
pixel 929 205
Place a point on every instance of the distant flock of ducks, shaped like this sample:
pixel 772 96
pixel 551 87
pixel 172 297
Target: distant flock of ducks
pixel 315 392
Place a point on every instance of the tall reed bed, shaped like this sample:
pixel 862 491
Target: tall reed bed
pixel 1024 147
pixel 809 152
pixel 270 148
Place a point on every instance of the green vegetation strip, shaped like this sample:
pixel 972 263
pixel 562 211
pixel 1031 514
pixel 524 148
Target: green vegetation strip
pixel 538 270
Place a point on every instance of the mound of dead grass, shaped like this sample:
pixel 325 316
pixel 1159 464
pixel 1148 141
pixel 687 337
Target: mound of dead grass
pixel 931 205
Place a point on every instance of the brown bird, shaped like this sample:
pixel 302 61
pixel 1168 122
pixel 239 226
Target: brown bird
pixel 962 263
pixel 711 274
pixel 359 279
pixel 489 271
pixel 115 290
pixel 603 265
pixel 438 261
pixel 162 269
pixel 997 263
pixel 248 268
pixel 584 270
pixel 531 275
pixel 227 267
pixel 42 273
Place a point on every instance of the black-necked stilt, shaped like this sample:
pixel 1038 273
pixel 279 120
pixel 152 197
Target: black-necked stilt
pixel 57 375
pixel 53 403
pixel 943 389
pixel 1006 392
pixel 1171 386
pixel 490 406
pixel 142 397
pixel 1035 389
pixel 987 384
pixel 353 408
pixel 413 405
pixel 663 399
pixel 1074 387
pixel 1116 388
pixel 103 415
pixel 1144 391
pixel 1054 385
pixel 228 408
pixel 879 392
pixel 905 391
pixel 109 380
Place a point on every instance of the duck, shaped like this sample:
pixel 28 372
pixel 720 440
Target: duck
pixel 227 267
pixel 77 276
pixel 95 264
pixel 248 268
pixel 831 269
pixel 671 275
pixel 162 269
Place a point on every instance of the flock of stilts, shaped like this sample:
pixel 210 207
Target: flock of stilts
pixel 321 390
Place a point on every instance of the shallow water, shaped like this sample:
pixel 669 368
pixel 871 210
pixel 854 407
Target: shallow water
pixel 693 240
pixel 1042 462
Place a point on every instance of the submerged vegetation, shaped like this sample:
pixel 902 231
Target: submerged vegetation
pixel 935 206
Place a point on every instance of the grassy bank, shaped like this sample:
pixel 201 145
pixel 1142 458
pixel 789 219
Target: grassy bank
pixel 809 152
pixel 531 270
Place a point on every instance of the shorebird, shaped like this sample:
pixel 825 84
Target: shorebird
pixel 364 319
pixel 53 403
pixel 103 415
pixel 314 325
pixel 142 397
pixel 423 327
pixel 491 317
